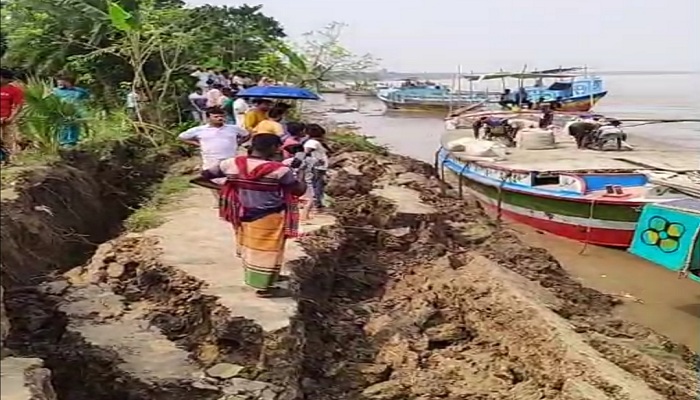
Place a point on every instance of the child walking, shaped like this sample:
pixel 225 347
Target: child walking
pixel 317 151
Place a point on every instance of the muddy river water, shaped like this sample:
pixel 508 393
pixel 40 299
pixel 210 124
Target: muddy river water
pixel 653 296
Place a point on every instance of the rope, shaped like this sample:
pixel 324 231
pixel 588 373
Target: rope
pixel 685 271
pixel 500 196
pixel 588 228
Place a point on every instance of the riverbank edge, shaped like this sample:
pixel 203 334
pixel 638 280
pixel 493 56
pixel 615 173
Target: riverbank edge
pixel 54 216
pixel 314 280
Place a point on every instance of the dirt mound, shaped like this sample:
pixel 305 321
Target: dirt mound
pixel 452 306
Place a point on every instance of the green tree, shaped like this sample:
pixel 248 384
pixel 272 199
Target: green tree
pixel 321 57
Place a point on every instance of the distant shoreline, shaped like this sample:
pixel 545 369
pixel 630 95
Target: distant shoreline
pixel 390 75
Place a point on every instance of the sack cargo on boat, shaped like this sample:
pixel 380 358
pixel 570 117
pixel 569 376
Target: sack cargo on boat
pixel 477 148
pixel 535 139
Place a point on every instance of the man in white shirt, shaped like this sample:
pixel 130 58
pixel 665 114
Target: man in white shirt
pixel 240 107
pixel 216 140
pixel 202 78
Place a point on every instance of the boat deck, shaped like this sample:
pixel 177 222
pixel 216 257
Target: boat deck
pixel 566 157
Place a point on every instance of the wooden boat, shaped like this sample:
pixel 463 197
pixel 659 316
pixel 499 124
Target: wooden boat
pixel 413 95
pixel 668 234
pixel 573 88
pixel 590 196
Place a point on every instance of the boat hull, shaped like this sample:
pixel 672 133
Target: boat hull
pixel 580 103
pixel 584 103
pixel 602 233
pixel 415 106
pixel 603 223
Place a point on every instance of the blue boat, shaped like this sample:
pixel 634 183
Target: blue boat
pixel 573 88
pixel 414 95
pixel 668 234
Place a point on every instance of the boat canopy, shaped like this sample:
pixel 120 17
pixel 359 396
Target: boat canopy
pixel 517 75
pixel 548 73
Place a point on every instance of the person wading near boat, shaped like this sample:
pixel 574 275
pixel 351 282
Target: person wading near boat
pixel 256 115
pixel 216 140
pixel 11 100
pixel 259 198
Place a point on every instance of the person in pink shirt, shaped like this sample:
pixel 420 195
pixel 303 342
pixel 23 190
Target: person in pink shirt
pixel 294 135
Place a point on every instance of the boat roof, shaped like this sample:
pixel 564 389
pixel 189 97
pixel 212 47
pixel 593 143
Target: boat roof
pixel 518 75
pixel 567 158
pixel 560 72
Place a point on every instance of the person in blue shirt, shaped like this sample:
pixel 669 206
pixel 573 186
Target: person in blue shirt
pixel 69 132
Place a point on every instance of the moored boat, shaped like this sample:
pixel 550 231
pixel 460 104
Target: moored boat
pixel 668 234
pixel 414 95
pixel 572 89
pixel 590 196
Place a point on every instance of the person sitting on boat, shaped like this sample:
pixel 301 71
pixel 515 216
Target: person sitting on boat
pixel 506 99
pixel 547 118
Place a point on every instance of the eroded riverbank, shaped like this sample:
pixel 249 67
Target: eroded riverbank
pixel 408 295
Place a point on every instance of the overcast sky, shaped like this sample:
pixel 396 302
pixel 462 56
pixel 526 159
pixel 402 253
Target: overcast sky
pixel 438 35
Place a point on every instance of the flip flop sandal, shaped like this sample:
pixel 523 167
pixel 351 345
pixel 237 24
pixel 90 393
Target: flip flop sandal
pixel 272 293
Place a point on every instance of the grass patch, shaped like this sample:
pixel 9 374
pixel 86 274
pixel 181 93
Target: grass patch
pixel 150 215
pixel 347 140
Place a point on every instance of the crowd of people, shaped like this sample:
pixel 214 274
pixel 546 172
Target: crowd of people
pixel 12 98
pixel 267 173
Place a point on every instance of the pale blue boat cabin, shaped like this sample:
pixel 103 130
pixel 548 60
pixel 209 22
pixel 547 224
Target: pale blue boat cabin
pixel 668 234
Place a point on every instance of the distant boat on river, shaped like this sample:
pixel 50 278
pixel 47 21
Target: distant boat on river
pixel 414 95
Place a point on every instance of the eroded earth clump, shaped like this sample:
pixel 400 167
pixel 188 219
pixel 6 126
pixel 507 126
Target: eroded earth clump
pixel 412 294
pixel 430 299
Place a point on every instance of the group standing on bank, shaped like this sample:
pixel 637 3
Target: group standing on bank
pixel 267 172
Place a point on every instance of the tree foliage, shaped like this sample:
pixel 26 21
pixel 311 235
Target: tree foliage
pixel 147 42
pixel 322 57
pixel 114 45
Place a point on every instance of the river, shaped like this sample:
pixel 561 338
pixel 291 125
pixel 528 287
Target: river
pixel 629 96
pixel 655 297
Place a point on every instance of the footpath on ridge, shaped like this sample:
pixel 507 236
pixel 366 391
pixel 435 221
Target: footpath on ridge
pixel 403 292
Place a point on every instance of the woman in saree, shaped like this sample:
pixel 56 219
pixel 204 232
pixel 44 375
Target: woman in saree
pixel 259 198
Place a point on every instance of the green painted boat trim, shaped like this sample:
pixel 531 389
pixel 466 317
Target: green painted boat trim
pixel 605 212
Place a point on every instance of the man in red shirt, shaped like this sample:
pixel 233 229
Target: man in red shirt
pixel 11 99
